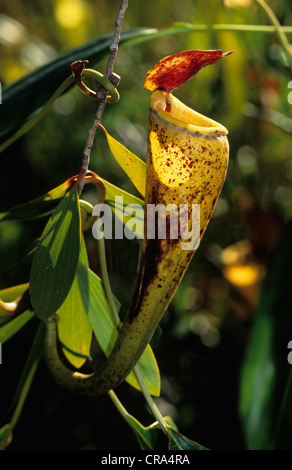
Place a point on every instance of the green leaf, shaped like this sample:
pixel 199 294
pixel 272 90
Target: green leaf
pixel 179 442
pixel 98 311
pixel 56 258
pixel 38 207
pixel 46 203
pixel 23 102
pixel 5 436
pixel 105 331
pixel 265 368
pixel 152 373
pixel 133 166
pixel 147 436
pixel 12 293
pixel 25 381
pixel 27 95
pixel 122 204
pixel 14 255
pixel 37 116
pixel 12 327
pixel 30 367
pixel 74 328
pixel 34 209
pixel 12 324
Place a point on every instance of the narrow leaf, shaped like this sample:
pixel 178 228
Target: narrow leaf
pixel 27 376
pixel 5 436
pixel 12 293
pixel 12 322
pixel 133 166
pixel 24 97
pixel 179 442
pixel 46 203
pixel 16 254
pixel 10 328
pixel 74 328
pixel 265 369
pixel 30 123
pixel 38 207
pixel 56 258
pixel 147 436
pixel 152 373
pixel 122 204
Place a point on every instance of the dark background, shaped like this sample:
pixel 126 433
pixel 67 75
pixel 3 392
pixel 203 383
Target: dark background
pixel 201 342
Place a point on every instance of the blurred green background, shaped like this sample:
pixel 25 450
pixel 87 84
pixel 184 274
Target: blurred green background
pixel 202 340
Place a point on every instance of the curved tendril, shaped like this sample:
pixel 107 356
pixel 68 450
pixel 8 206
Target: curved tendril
pixel 71 380
pixel 63 376
pixel 78 69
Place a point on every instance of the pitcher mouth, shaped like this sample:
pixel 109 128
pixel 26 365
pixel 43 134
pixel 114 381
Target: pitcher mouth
pixel 174 111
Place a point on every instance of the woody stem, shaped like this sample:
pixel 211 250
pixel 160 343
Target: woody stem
pixel 110 64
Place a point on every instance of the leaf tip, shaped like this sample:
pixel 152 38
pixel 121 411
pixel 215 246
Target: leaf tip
pixel 225 54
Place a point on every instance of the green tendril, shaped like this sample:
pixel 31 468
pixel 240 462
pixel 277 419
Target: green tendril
pixel 113 95
pixel 78 69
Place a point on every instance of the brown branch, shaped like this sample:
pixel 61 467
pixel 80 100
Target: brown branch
pixel 116 39
pixel 109 71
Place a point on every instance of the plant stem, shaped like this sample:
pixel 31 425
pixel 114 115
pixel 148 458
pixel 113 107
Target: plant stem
pixel 108 291
pixel 116 39
pixel 279 30
pixel 111 60
pixel 28 375
pixel 122 410
pixel 249 28
pixel 152 405
pixel 106 282
pixel 115 316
